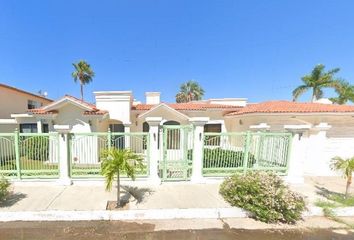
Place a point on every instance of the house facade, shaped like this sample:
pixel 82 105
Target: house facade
pixel 297 138
pixel 17 101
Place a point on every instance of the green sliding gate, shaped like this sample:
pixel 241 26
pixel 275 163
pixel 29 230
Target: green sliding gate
pixel 228 153
pixel 177 152
pixel 86 150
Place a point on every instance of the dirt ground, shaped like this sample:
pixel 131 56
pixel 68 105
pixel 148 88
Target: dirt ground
pixel 97 230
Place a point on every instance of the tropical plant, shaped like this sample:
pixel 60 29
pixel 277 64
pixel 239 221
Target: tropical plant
pixel 346 166
pixel 264 195
pixel 84 74
pixel 4 188
pixel 345 93
pixel 316 81
pixel 119 161
pixel 189 91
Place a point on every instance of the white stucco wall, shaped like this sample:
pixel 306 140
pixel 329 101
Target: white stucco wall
pixel 118 104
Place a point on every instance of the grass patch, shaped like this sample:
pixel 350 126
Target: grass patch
pixel 325 204
pixel 337 198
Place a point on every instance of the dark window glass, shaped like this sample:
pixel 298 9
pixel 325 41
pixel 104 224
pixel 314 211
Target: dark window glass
pixel 45 128
pixel 28 128
pixel 212 140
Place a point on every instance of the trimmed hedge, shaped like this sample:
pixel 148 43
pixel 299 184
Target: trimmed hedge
pixel 221 158
pixel 265 195
pixel 36 148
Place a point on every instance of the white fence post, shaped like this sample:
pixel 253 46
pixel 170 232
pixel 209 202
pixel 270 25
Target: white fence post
pixel 127 137
pixel 298 153
pixel 154 123
pixel 197 166
pixel 64 174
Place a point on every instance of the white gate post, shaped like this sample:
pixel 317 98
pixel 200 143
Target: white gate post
pixel 154 123
pixel 298 153
pixel 127 137
pixel 64 178
pixel 198 135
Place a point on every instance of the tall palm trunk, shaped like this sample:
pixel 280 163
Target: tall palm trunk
pixel 349 182
pixel 314 98
pixel 82 91
pixel 118 190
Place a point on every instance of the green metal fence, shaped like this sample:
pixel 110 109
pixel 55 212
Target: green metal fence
pixel 29 155
pixel 232 152
pixel 86 149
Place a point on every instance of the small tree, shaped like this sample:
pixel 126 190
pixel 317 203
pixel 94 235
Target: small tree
pixel 346 166
pixel 116 161
pixel 189 91
pixel 316 81
pixel 84 74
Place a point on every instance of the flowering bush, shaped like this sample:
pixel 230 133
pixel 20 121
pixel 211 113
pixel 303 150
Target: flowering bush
pixel 4 189
pixel 264 195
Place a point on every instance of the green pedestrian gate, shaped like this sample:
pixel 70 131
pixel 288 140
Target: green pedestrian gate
pixel 177 152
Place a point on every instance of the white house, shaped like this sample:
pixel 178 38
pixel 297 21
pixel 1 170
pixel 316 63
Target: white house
pixel 320 130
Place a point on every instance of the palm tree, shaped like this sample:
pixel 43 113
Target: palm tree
pixel 189 91
pixel 116 161
pixel 83 73
pixel 347 167
pixel 317 80
pixel 345 93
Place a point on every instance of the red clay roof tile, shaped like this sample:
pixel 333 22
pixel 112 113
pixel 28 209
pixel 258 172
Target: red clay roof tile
pixel 292 107
pixel 187 106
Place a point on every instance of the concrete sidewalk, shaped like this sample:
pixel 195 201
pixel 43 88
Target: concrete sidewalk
pixel 91 196
pixel 48 197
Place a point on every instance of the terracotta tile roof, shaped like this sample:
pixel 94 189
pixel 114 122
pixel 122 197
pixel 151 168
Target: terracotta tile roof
pixel 41 111
pixel 292 107
pixel 187 106
pixel 25 92
pixel 94 110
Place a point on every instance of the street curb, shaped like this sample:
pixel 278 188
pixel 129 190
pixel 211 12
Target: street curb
pixel 148 214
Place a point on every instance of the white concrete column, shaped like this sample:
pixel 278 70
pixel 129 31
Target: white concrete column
pixel 298 153
pixel 39 126
pixel 318 162
pixel 127 137
pixel 154 123
pixel 197 166
pixel 64 174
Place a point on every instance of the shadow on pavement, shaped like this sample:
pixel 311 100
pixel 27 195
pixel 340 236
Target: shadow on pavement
pixel 138 194
pixel 12 199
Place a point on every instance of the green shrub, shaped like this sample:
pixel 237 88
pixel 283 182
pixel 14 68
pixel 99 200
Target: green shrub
pixel 4 189
pixel 264 195
pixel 36 148
pixel 221 158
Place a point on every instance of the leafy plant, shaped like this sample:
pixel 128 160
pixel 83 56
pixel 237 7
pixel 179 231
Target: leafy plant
pixel 4 188
pixel 222 158
pixel 265 195
pixel 117 161
pixel 346 166
pixel 36 148
pixel 316 81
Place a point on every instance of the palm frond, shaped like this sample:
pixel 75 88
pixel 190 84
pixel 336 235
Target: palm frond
pixel 299 91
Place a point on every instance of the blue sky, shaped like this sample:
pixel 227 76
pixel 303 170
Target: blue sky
pixel 254 49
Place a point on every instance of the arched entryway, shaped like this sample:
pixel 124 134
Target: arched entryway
pixel 117 130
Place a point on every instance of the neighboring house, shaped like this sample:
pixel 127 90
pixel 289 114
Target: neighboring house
pixel 17 101
pixel 321 131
